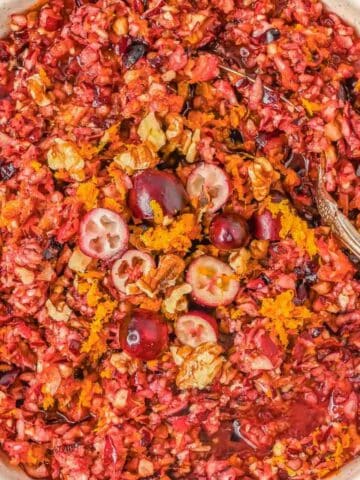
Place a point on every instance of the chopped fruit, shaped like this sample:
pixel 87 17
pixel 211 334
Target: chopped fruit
pixel 144 335
pixel 195 328
pixel 228 231
pixel 133 265
pixel 208 187
pixel 103 234
pixel 213 282
pixel 162 187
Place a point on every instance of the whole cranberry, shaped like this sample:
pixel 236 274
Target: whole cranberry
pixel 265 226
pixel 144 335
pixel 228 231
pixel 163 187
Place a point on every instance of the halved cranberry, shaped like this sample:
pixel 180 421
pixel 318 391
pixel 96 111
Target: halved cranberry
pixel 212 281
pixel 103 234
pixel 144 335
pixel 265 226
pixel 228 231
pixel 209 186
pixel 163 187
pixel 196 327
pixel 129 268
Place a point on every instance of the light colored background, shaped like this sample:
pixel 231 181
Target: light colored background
pixel 347 9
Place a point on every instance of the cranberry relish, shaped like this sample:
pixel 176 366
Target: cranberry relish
pixel 171 307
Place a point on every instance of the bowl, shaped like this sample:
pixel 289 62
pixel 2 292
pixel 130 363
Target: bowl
pixel 349 10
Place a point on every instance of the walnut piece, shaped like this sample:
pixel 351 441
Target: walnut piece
pixel 201 367
pixel 170 268
pixel 65 155
pixel 60 313
pixel 177 301
pixel 239 260
pixel 262 175
pixel 37 90
pixel 150 130
pixel 136 157
pixel 259 248
pixel 78 262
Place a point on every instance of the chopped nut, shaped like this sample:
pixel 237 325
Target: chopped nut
pixel 121 26
pixel 120 361
pixel 37 90
pixel 26 276
pixel 192 150
pixel 65 155
pixel 60 313
pixel 136 157
pixel 145 468
pixel 262 175
pixel 239 260
pixel 150 130
pixel 180 353
pixel 259 248
pixel 120 399
pixel 78 261
pixel 201 367
pixel 175 126
pixel 169 269
pixel 177 301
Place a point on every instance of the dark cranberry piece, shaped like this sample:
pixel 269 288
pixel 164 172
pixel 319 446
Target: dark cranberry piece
pixel 9 377
pixel 4 52
pixel 228 231
pixel 52 250
pixel 161 186
pixel 19 402
pixel 144 335
pixel 189 101
pixel 235 136
pixel 301 293
pixel 7 170
pixel 235 432
pixel 269 36
pixel 263 138
pixel 265 226
pixel 133 53
pixel 78 373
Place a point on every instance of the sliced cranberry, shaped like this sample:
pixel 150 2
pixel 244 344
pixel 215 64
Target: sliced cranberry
pixel 50 20
pixel 265 226
pixel 228 231
pixel 103 234
pixel 195 328
pixel 129 268
pixel 163 187
pixel 209 186
pixel 144 335
pixel 212 281
pixel 7 171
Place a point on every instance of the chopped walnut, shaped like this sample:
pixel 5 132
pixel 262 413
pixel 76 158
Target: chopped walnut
pixel 60 313
pixel 175 127
pixel 78 262
pixel 201 367
pixel 262 175
pixel 120 398
pixel 259 248
pixel 123 363
pixel 180 353
pixel 145 468
pixel 239 260
pixel 64 154
pixel 170 268
pixel 192 150
pixel 121 26
pixel 37 90
pixel 177 301
pixel 136 157
pixel 150 130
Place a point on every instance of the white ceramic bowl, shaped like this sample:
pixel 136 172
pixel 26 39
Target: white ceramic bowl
pixel 349 10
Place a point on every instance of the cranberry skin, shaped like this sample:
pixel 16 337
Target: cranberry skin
pixel 266 227
pixel 144 335
pixel 228 231
pixel 163 187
